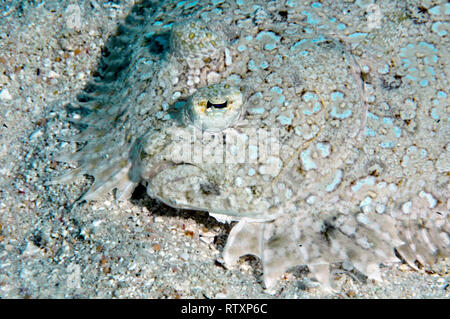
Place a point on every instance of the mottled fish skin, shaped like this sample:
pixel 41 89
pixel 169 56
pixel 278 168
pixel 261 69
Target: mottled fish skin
pixel 337 150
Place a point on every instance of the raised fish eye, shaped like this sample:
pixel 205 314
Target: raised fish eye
pixel 214 107
pixel 195 40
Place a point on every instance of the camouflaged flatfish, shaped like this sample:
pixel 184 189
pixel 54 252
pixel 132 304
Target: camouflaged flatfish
pixel 325 135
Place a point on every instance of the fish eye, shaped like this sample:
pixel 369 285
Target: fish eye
pixel 214 107
pixel 210 105
pixel 195 40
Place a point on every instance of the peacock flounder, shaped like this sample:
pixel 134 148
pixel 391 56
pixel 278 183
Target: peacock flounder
pixel 244 110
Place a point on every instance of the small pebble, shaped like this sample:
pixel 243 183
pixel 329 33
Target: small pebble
pixel 5 95
pixel 184 256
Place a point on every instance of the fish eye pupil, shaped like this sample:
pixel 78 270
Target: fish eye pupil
pixel 216 105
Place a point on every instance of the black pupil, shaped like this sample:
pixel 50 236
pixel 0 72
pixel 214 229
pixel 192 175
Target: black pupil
pixel 217 106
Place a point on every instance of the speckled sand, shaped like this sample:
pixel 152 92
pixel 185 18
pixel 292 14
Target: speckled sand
pixel 133 249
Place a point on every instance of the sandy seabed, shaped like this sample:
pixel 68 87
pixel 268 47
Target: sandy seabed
pixel 134 249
